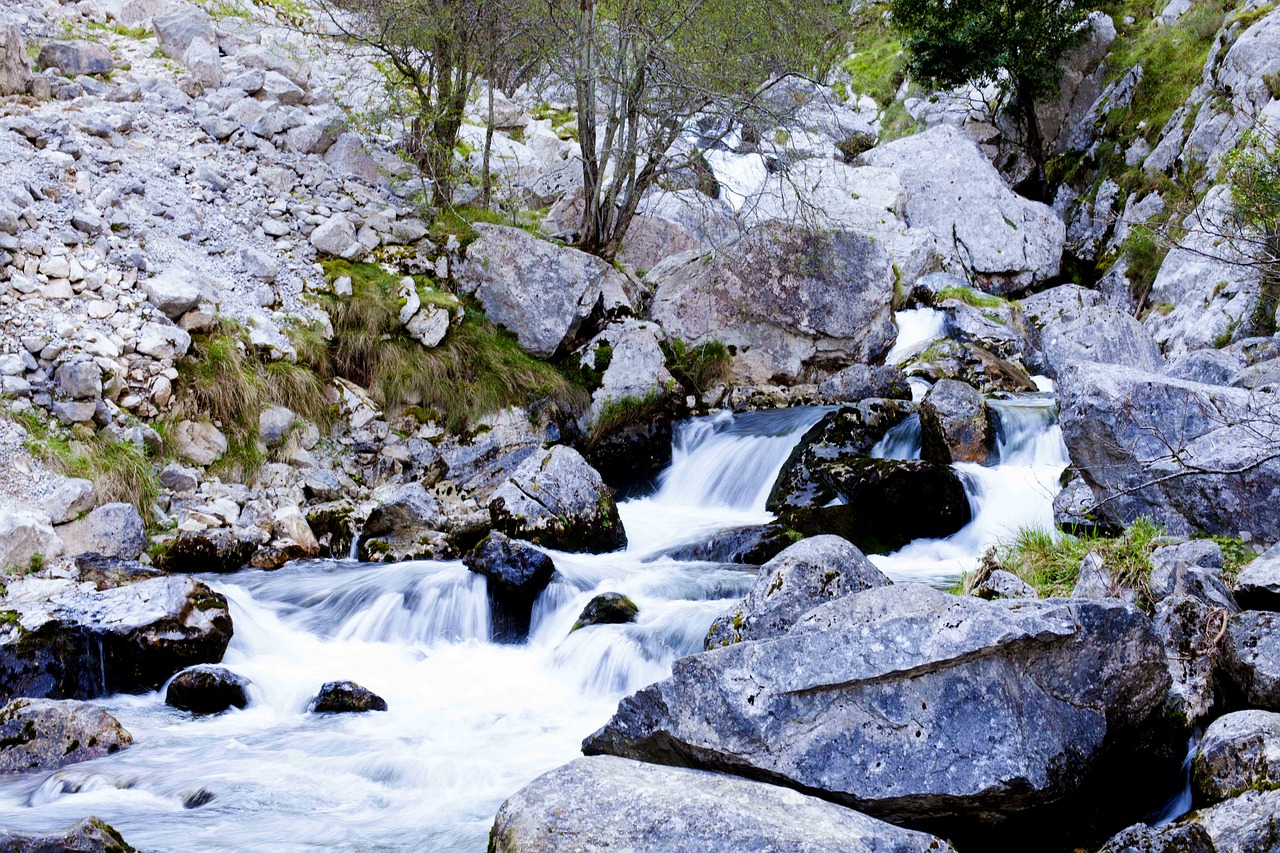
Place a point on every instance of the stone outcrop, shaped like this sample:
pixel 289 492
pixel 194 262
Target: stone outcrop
pixel 44 734
pixel 556 500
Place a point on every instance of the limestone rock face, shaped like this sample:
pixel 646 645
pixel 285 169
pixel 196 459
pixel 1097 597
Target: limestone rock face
pixel 606 803
pixel 1102 335
pixel 795 304
pixel 555 499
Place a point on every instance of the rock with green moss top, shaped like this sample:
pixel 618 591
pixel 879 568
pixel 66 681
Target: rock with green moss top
pixel 971 364
pixel 606 803
pixel 556 500
pixel 43 734
pixel 805 575
pixel 1239 752
pixel 214 550
pixel 607 608
pixel 88 836
pixel 334 527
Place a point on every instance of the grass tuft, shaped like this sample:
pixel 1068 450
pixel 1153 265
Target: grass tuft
pixel 1050 561
pixel 697 368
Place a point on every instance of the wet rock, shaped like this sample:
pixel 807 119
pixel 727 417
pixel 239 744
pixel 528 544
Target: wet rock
pixel 556 500
pixel 112 530
pixel 1251 657
pixel 346 697
pixel 607 608
pixel 1239 752
pixel 216 550
pixel 886 503
pixel 848 433
pixel 955 425
pixel 334 527
pixel 63 641
pixel 1177 838
pixel 207 690
pixel 88 836
pixel 1243 824
pixel 543 293
pixel 1258 586
pixel 793 304
pixel 603 803
pixel 809 573
pixel 42 734
pixel 859 382
pixel 975 713
pixel 25 535
pixel 970 364
pixel 74 58
pixel 517 573
pixel 401 527
pixel 751 545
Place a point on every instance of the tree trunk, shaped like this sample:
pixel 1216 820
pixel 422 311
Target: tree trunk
pixel 486 185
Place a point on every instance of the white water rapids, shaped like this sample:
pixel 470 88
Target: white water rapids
pixel 469 721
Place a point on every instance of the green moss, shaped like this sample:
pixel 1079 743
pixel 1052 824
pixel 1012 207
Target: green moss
pixel 969 296
pixel 877 66
pixel 1235 555
pixel 458 222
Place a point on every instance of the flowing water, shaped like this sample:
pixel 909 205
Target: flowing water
pixel 470 721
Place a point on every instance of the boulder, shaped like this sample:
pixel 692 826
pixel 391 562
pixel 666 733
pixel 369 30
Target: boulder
pixel 207 690
pixel 556 500
pixel 792 304
pixel 15 67
pixel 997 238
pixel 80 380
pixel 1251 657
pixel 1188 629
pixel 1206 366
pixel 74 58
pixel 69 500
pixel 849 433
pixel 809 573
pixel 25 535
pixel 1175 838
pixel 401 524
pixel 1258 586
pixel 346 697
pixel 112 530
pixel 163 341
pixel 1239 752
pixel 215 550
pixel 543 293
pixel 1192 457
pixel 607 608
pixel 858 382
pixel 517 573
pixel 181 25
pixel 974 712
pixel 204 63
pixel 336 236
pixel 1243 824
pixel 172 292
pixel 274 423
pixel 753 545
pixel 634 372
pixel 109 572
pixel 955 425
pixel 886 503
pixel 607 803
pixel 87 836
pixel 1002 584
pixel 350 158
pixel 1105 335
pixel 1190 568
pixel 199 442
pixel 971 364
pixel 66 641
pixel 44 734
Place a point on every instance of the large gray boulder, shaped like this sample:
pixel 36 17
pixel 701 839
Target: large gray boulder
pixel 1192 457
pixel 809 573
pixel 181 25
pixel 43 734
pixel 986 230
pixel 542 292
pixel 15 67
pixel 607 803
pixel 87 836
pixel 1105 334
pixel 1239 752
pixel 66 640
pixel 636 371
pixel 1258 586
pixel 74 58
pixel 955 425
pixel 1251 657
pixel 403 526
pixel 113 530
pixel 795 304
pixel 1243 824
pixel 911 704
pixel 556 500
pixel 24 534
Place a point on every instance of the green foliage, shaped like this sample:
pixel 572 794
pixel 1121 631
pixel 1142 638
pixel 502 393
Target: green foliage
pixel 697 368
pixel 476 370
pixel 969 296
pixel 1050 561
pixel 628 411
pixel 562 121
pixel 458 222
pixel 1253 174
pixel 1235 556
pixel 877 66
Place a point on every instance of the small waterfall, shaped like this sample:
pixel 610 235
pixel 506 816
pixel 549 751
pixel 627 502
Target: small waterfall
pixel 900 442
pixel 917 327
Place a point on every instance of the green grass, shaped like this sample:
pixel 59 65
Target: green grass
pixel 476 370
pixel 457 222
pixel 697 368
pixel 1050 562
pixel 561 120
pixel 971 297
pixel 628 411
pixel 877 66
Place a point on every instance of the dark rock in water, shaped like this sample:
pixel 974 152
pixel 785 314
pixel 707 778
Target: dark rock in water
pixel 207 690
pixel 198 798
pixel 848 433
pixel 809 573
pixel 1251 657
pixel 921 707
pixel 216 550
pixel 41 734
pixel 751 545
pixel 972 365
pixel 1176 838
pixel 859 382
pixel 1243 824
pixel 88 836
pixel 343 697
pixel 887 503
pixel 1258 586
pixel 108 572
pixel 517 573
pixel 955 425
pixel 556 500
pixel 631 456
pixel 608 803
pixel 607 608
pixel 63 642
pixel 1239 752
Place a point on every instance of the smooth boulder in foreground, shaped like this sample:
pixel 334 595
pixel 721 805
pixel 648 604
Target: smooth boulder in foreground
pixel 87 836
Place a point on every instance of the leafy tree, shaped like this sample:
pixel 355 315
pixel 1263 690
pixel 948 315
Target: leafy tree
pixel 1016 43
pixel 1253 176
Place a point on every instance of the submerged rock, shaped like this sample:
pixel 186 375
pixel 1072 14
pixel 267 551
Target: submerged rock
pixel 607 803
pixel 975 712
pixel 87 836
pixel 809 573
pixel 41 734
pixel 556 500
pixel 607 608
pixel 346 697
pixel 207 690
pixel 517 573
